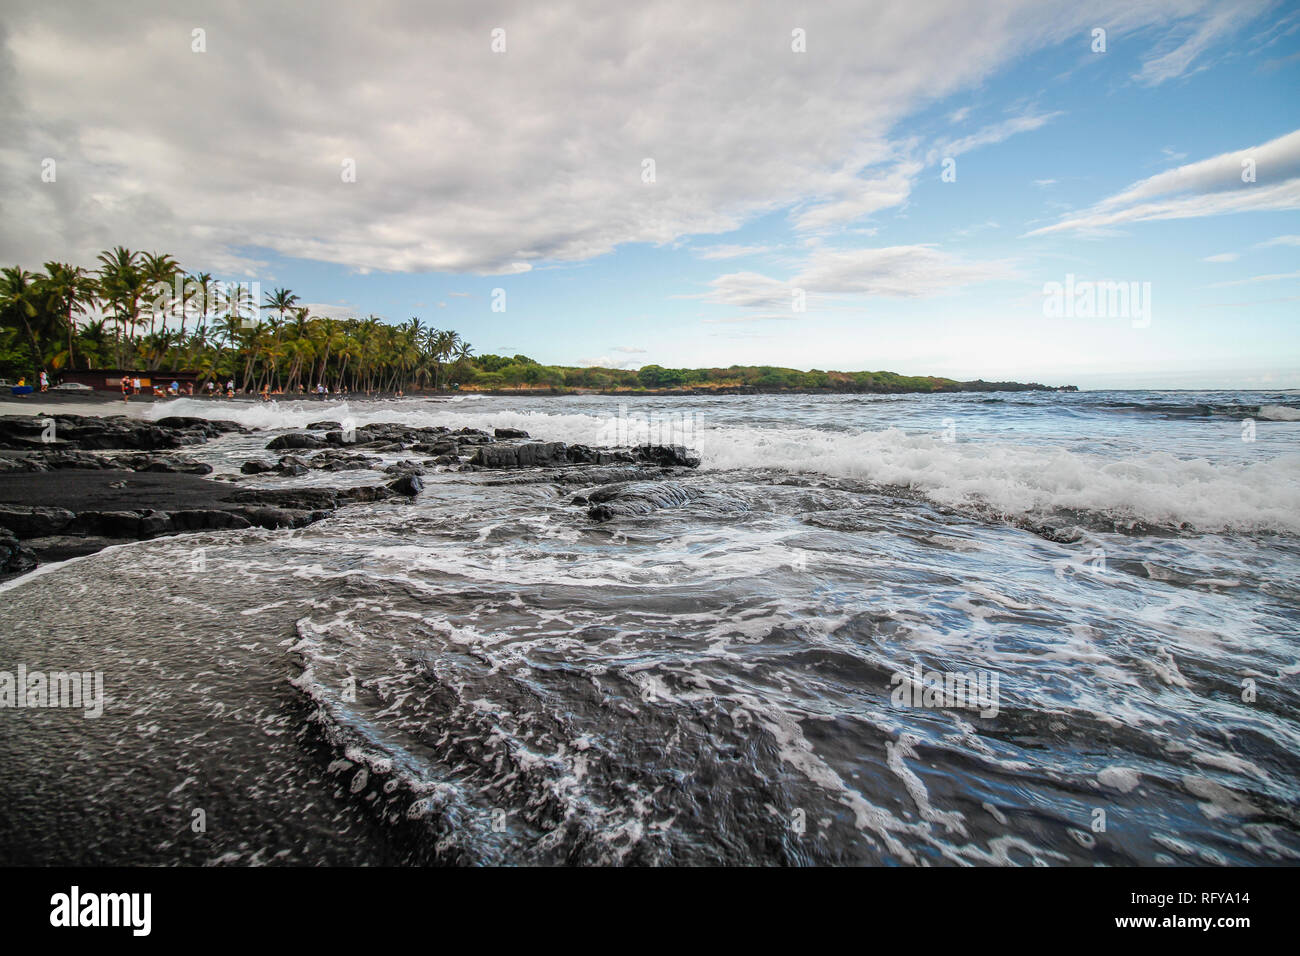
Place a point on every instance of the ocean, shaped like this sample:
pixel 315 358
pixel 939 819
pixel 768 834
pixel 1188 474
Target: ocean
pixel 1031 628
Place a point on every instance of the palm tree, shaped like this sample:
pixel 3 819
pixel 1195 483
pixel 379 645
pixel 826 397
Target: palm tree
pixel 159 272
pixel 442 344
pixel 284 347
pixel 18 306
pixel 281 300
pixel 121 285
pixel 94 340
pixel 204 292
pixel 68 291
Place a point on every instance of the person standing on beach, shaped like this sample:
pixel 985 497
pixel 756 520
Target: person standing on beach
pixel 126 389
pixel 45 381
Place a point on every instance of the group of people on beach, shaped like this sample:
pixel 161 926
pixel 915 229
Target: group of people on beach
pixel 132 385
pixel 215 390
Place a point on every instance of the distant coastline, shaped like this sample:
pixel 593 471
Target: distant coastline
pixel 843 389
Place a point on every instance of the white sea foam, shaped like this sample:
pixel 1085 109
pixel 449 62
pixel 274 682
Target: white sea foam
pixel 1012 478
pixel 1279 413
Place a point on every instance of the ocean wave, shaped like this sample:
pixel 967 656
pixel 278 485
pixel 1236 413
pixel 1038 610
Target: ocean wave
pixel 1010 478
pixel 1279 413
pixel 1017 479
pixel 1203 410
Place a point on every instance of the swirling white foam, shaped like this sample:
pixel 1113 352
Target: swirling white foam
pixel 1012 478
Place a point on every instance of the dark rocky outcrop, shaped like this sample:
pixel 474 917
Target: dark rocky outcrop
pixel 408 484
pixel 527 455
pixel 45 460
pixel 510 433
pixel 443 446
pixel 336 459
pixel 103 510
pixel 585 455
pixel 292 465
pixel 15 557
pixel 635 498
pixel 555 454
pixel 667 456
pixel 403 467
pixel 110 432
pixel 33 521
pixel 295 441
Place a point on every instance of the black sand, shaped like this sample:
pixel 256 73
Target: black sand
pixel 78 490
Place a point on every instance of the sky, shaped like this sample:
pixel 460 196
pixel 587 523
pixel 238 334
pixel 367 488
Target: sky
pixel 1104 194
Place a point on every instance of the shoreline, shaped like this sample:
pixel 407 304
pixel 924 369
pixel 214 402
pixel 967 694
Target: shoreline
pixel 89 481
pixel 107 397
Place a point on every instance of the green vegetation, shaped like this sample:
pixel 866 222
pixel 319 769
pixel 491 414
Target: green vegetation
pixel 141 311
pixel 135 312
pixel 519 371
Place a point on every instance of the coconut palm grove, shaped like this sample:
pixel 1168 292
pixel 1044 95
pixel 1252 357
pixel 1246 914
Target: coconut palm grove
pixel 143 311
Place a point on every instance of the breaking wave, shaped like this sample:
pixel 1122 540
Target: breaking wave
pixel 1120 481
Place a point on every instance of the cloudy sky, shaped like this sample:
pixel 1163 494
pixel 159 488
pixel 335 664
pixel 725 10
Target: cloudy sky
pixel 823 185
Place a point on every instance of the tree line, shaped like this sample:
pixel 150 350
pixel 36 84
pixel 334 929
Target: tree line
pixel 142 311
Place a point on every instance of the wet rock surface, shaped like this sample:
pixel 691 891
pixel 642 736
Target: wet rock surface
pixel 101 508
pixel 61 432
pixel 71 485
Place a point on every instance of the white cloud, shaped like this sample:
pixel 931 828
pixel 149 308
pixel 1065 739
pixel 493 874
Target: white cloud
pixel 989 135
pixel 331 310
pixel 1209 187
pixel 469 161
pixel 1281 241
pixel 728 251
pixel 852 195
pixel 1223 257
pixel 1275 277
pixel 629 350
pixel 606 361
pixel 917 271
pixel 1161 67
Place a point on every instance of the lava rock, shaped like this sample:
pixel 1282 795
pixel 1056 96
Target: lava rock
pixel 295 440
pixel 15 558
pixel 444 446
pixel 408 484
pixel 635 498
pixel 667 455
pixel 528 455
pixel 289 465
pixel 271 518
pixel 34 521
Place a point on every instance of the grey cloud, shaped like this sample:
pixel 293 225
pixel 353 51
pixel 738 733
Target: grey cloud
pixel 470 161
